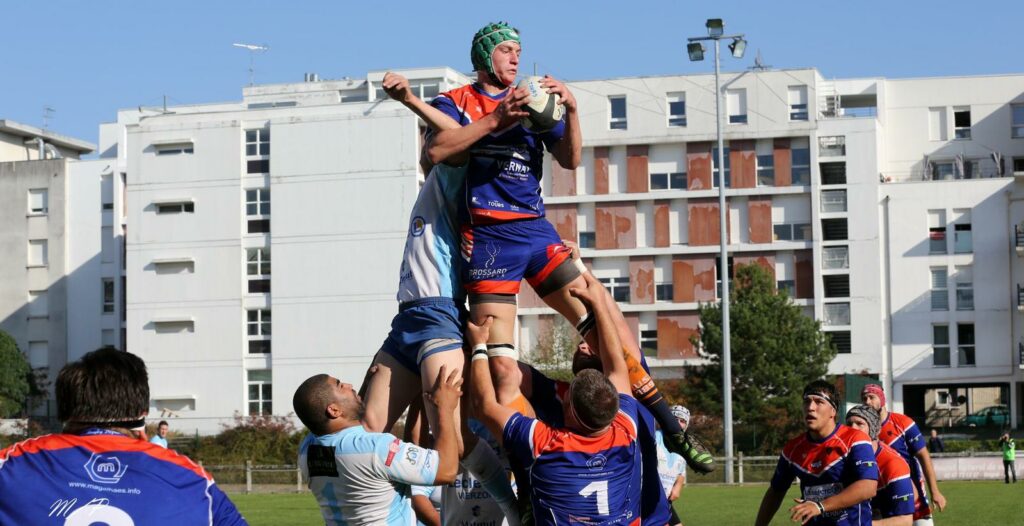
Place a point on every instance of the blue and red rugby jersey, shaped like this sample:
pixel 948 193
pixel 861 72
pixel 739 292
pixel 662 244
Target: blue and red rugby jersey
pixel 895 494
pixel 505 167
pixel 825 467
pixel 901 433
pixel 579 479
pixel 101 477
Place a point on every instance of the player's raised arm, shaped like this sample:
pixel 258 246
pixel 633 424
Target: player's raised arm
pixel 488 410
pixel 569 150
pixel 397 87
pixel 609 345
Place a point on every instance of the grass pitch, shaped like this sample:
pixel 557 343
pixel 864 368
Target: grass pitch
pixel 970 504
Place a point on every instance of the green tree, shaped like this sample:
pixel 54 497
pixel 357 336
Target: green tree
pixel 553 351
pixel 14 377
pixel 776 350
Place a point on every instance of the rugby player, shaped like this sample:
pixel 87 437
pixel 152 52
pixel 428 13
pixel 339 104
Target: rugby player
pixel 101 469
pixel 835 464
pixel 901 433
pixel 893 504
pixel 505 237
pixel 590 470
pixel 359 477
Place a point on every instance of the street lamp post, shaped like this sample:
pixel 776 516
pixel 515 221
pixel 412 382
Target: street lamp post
pixel 695 49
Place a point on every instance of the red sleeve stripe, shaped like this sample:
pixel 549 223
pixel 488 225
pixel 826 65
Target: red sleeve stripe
pixel 101 444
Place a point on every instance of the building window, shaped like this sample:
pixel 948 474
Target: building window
pixel 942 398
pixel 964 288
pixel 257 261
pixel 664 292
pixel 714 168
pixel 736 102
pixel 943 171
pixel 965 344
pixel 617 112
pixel 676 109
pixel 801 166
pixel 835 258
pixel 38 253
pixel 798 103
pixel 649 343
pixel 962 238
pixel 1017 121
pixel 834 229
pixel 940 345
pixel 961 123
pixel 260 393
pixel 792 232
pixel 257 202
pixel 940 289
pixel 718 275
pixel 766 170
pixel 937 232
pixel 38 306
pixel 588 240
pixel 836 285
pixel 786 286
pixel 38 201
pixel 258 331
pixel 259 322
pixel 176 208
pixel 833 200
pixel 832 173
pixel 667 181
pixel 842 341
pixel 108 295
pixel 259 226
pixel 618 287
pixel 38 354
pixel 257 151
pixel 174 149
pixel 832 146
pixel 1018 166
pixel 837 314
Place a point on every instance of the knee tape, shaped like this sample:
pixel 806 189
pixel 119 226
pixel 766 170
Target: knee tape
pixel 586 324
pixel 502 350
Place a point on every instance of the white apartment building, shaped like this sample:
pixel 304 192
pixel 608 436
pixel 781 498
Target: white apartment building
pixel 826 184
pixel 60 281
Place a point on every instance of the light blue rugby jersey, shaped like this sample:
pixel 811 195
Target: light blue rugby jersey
pixel 359 477
pixel 430 262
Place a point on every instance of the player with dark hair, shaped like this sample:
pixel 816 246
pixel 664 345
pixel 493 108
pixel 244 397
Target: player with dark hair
pixel 590 470
pixel 893 504
pixel 101 469
pixel 360 477
pixel 901 433
pixel 835 464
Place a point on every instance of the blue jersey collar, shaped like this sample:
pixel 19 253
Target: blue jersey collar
pixel 479 89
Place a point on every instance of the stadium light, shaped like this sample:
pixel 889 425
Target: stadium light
pixel 695 49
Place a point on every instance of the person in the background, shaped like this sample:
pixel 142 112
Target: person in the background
pixel 935 443
pixel 1009 457
pixel 160 438
pixel 671 466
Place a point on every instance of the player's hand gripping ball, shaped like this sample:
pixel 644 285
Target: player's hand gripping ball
pixel 543 107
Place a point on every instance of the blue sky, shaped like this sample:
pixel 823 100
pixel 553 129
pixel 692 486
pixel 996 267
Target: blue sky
pixel 88 59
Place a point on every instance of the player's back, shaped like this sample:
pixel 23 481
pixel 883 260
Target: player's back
pixel 106 478
pixel 895 494
pixel 593 480
pixel 900 432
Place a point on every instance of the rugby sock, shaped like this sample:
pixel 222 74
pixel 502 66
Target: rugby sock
pixel 647 394
pixel 485 465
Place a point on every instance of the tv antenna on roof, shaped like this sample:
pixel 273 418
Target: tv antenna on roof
pixel 759 64
pixel 253 49
pixel 48 112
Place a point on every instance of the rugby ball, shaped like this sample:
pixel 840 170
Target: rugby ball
pixel 544 109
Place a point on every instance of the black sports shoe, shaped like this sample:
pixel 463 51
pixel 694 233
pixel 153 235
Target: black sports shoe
pixel 693 451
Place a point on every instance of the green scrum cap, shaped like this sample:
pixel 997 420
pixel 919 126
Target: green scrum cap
pixel 488 38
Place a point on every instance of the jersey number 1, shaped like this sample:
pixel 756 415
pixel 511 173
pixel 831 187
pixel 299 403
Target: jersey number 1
pixel 601 488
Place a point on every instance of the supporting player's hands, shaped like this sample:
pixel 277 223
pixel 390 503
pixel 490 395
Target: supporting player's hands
pixel 592 296
pixel 804 511
pixel 510 110
pixel 556 87
pixel 447 389
pixel 478 334
pixel 574 248
pixel 396 86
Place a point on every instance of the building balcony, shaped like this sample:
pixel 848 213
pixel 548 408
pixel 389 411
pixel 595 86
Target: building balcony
pixel 1018 239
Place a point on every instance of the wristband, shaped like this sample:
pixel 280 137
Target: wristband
pixel 479 352
pixel 821 507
